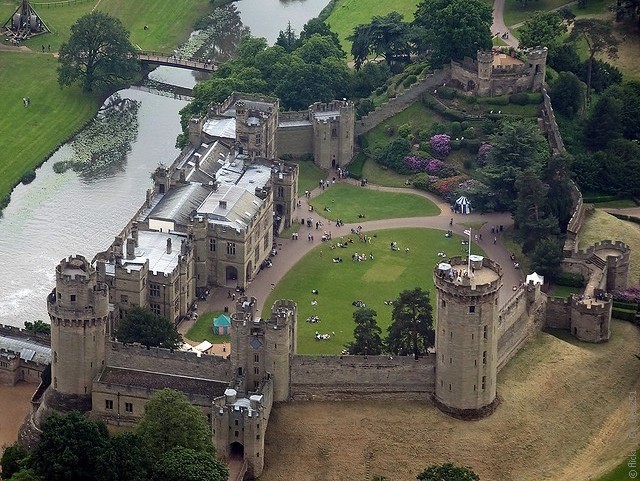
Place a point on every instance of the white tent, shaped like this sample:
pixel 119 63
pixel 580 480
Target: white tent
pixel 535 278
pixel 463 205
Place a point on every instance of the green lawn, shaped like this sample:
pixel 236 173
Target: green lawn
pixel 202 330
pixel 347 201
pixel 516 12
pixel 27 136
pixel 372 281
pixel 347 14
pixel 563 291
pixel 380 175
pixel 621 473
pixel 309 174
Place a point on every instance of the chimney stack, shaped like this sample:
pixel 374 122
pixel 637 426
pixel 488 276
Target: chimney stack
pixel 169 246
pixel 131 248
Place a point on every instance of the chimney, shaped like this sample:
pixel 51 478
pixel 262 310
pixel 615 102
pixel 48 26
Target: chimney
pixel 131 248
pixel 134 233
pixel 169 246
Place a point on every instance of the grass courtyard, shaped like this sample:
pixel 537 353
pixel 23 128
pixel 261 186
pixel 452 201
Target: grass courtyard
pixel 347 202
pixel 372 281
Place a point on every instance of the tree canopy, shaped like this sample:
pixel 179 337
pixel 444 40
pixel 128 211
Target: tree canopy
pixel 170 421
pixel 98 53
pixel 543 29
pixel 447 472
pixel 411 330
pixel 144 326
pixel 454 29
pixel 366 335
pixel 388 36
pixel 184 464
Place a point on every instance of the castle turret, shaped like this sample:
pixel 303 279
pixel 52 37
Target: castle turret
pixel 485 67
pixel 467 336
pixel 333 125
pixel 78 308
pixel 537 59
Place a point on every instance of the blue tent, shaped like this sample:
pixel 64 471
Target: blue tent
pixel 222 324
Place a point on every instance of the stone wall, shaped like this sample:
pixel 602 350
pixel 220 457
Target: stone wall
pixel 295 140
pixel 397 104
pixel 558 313
pixel 17 333
pixel 135 356
pixel 358 377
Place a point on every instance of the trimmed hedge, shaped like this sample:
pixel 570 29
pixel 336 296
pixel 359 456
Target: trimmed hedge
pixel 500 100
pixel 624 314
pixel 571 280
pixel 356 165
pixel 519 99
pixel 594 199
pixel 446 93
pixel 625 305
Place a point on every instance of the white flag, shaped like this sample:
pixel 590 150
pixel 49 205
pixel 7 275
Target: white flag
pixel 467 232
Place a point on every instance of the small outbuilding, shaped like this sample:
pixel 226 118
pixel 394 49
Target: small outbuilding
pixel 222 325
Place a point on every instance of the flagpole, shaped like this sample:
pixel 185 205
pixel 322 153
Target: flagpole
pixel 469 255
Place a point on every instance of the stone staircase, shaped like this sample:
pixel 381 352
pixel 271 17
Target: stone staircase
pixel 597 261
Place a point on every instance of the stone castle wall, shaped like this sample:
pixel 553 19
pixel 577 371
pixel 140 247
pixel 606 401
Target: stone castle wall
pixel 18 333
pixel 558 313
pixel 135 356
pixel 358 377
pixel 295 140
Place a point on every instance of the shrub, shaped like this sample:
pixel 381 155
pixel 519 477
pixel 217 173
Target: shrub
pixel 428 100
pixel 404 130
pixel 390 130
pixel 437 128
pixel 488 126
pixel 28 177
pixel 440 144
pixel 356 166
pixel 569 279
pixel 500 100
pixel 472 145
pixel 469 133
pixel 453 114
pixel 623 314
pixel 519 99
pixel 468 163
pixel 379 91
pixel 455 129
pixel 483 154
pixel 446 188
pixel 391 92
pixel 63 165
pixel 411 79
pixel 438 107
pixel 625 305
pixel 535 98
pixel 465 125
pixel 446 93
pixel 456 144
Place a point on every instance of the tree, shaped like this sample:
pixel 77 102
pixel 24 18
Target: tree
pixel 287 39
pixel 599 37
pixel 547 256
pixel 366 335
pixel 603 75
pixel 144 326
pixel 564 58
pixel 316 25
pixel 604 123
pixel 567 94
pixel 13 459
pixel 38 327
pixel 25 475
pixel 170 421
pixel 543 29
pixel 411 330
pixel 516 146
pixel 317 48
pixel 184 464
pixel 98 53
pixel 387 36
pixel 69 447
pixel 454 29
pixel 447 472
pixel 123 459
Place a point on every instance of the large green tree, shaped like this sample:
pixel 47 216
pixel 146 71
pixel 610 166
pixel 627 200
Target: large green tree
pixel 389 37
pixel 69 448
pixel 366 335
pixel 411 330
pixel 98 53
pixel 567 94
pixel 170 421
pixel 454 29
pixel 447 472
pixel 184 464
pixel 149 329
pixel 123 459
pixel 543 29
pixel 599 37
pixel 13 459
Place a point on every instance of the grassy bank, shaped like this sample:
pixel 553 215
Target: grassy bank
pixel 29 135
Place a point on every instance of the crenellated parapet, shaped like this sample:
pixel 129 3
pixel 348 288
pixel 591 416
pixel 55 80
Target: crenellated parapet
pixel 485 277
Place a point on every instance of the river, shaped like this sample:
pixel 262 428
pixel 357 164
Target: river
pixel 58 215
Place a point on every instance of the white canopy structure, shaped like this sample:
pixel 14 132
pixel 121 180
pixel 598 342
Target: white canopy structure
pixel 535 278
pixel 463 205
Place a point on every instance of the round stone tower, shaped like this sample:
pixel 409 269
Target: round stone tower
pixel 537 58
pixel 467 336
pixel 78 308
pixel 485 67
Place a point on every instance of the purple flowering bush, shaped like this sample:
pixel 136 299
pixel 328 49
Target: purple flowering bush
pixel 483 154
pixel 630 294
pixel 440 145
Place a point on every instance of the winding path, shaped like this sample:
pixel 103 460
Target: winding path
pixel 291 251
pixel 499 27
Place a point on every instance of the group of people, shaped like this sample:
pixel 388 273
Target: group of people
pixel 361 257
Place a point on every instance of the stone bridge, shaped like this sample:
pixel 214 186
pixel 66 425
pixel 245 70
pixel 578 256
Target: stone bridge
pixel 170 60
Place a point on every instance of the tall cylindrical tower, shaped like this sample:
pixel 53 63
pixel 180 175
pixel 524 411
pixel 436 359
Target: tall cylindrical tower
pixel 78 308
pixel 467 336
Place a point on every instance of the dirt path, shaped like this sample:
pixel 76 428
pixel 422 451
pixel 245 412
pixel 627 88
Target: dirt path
pixel 14 405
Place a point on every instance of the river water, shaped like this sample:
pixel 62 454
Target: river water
pixel 58 215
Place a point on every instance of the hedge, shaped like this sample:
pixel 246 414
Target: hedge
pixel 595 199
pixel 624 314
pixel 446 93
pixel 625 305
pixel 500 100
pixel 570 280
pixel 356 165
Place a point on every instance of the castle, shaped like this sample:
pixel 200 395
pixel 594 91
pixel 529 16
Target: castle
pixel 209 220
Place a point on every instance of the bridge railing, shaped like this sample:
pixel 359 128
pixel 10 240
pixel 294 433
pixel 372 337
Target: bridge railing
pixel 175 59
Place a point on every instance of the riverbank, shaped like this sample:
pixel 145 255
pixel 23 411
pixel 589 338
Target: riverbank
pixel 15 402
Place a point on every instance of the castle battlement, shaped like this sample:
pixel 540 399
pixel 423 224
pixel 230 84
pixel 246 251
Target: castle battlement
pixel 591 306
pixel 604 245
pixel 485 276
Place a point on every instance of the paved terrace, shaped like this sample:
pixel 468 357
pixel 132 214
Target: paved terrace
pixel 291 251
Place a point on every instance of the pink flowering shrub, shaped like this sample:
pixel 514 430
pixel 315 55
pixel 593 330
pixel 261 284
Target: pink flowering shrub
pixel 630 294
pixel 440 145
pixel 416 163
pixel 483 154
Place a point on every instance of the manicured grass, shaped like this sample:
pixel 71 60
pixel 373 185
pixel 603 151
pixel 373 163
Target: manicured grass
pixel 563 291
pixel 347 14
pixel 202 330
pixel 309 174
pixel 347 201
pixel 616 204
pixel 379 175
pixel 516 12
pixel 28 135
pixel 372 281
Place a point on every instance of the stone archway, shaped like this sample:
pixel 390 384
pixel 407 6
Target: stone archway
pixel 231 275
pixel 236 450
